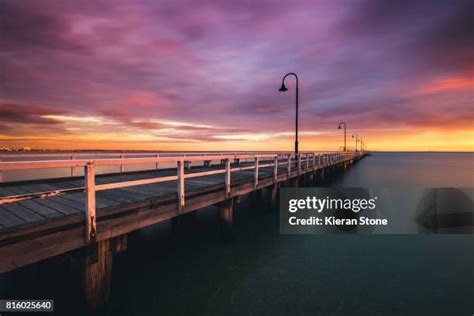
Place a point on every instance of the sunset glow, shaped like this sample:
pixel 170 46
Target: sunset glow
pixel 165 75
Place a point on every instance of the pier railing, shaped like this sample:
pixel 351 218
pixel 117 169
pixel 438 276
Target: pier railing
pixel 124 155
pixel 305 162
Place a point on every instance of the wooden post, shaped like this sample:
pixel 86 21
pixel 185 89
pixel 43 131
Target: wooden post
pixel 256 173
pixel 274 192
pixel 156 164
pixel 119 244
pixel 89 178
pixel 1 172
pixel 299 164
pixel 122 167
pixel 227 178
pixel 289 165
pixel 275 169
pixel 187 165
pixel 73 168
pixel 314 161
pixel 319 159
pixel 307 162
pixel 98 274
pixel 180 186
pixel 226 217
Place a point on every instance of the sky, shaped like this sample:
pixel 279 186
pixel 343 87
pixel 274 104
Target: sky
pixel 204 75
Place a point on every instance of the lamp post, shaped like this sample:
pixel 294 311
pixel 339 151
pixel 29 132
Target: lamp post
pixel 283 88
pixel 339 127
pixel 357 139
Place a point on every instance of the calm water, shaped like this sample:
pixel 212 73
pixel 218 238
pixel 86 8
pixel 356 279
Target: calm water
pixel 192 271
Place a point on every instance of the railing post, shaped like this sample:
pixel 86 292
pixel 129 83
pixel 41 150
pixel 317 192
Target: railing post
pixel 299 164
pixel 275 169
pixel 122 166
pixel 307 162
pixel 89 177
pixel 187 164
pixel 156 164
pixel 180 186
pixel 256 173
pixel 73 168
pixel 227 178
pixel 314 160
pixel 289 165
pixel 319 159
pixel 1 172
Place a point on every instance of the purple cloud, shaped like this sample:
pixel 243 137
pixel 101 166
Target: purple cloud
pixel 219 63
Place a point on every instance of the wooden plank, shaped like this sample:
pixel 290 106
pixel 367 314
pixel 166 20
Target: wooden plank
pixel 4 192
pixel 41 209
pixel 77 199
pixel 7 219
pixel 154 190
pixel 24 213
pixel 25 210
pixel 121 196
pixel 55 203
pixel 38 195
pixel 101 200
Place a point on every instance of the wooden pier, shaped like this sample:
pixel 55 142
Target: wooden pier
pixel 44 218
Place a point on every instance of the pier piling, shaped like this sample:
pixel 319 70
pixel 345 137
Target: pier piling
pixel 98 274
pixel 274 192
pixel 226 217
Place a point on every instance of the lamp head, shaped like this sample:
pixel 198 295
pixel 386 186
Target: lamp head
pixel 283 88
pixel 339 127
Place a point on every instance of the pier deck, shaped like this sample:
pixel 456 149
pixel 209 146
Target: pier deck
pixel 40 219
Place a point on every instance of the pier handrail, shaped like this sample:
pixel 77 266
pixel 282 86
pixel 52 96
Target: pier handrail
pixel 127 154
pixel 90 187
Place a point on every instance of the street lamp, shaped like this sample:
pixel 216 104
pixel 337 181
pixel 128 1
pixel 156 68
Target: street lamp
pixel 356 137
pixel 339 127
pixel 283 88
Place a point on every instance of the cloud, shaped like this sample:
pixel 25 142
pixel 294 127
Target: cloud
pixel 453 84
pixel 214 67
pixel 27 114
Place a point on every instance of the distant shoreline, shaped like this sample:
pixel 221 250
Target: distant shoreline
pixel 210 151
